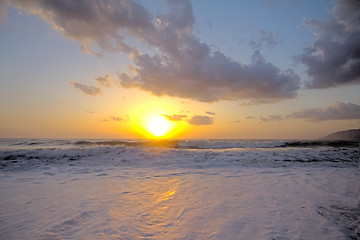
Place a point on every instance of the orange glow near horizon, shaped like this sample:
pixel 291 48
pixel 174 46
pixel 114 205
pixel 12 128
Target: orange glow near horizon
pixel 158 126
pixel 148 121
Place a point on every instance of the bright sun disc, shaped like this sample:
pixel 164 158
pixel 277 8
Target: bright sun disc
pixel 158 126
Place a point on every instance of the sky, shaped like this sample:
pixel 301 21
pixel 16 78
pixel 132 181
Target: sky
pixel 263 69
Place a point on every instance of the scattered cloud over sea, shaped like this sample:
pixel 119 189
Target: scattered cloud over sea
pixel 184 66
pixel 87 89
pixel 117 119
pixel 201 120
pixel 104 81
pixel 266 39
pixel 271 118
pixel 175 117
pixel 334 58
pixel 210 113
pixel 337 111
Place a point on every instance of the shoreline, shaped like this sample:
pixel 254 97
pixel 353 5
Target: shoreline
pixel 131 203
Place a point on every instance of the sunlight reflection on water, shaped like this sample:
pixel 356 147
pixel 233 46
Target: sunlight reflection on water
pixel 148 205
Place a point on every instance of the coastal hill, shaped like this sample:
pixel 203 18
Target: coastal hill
pixel 348 135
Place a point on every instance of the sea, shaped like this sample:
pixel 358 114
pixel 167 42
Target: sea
pixel 178 189
pixel 202 153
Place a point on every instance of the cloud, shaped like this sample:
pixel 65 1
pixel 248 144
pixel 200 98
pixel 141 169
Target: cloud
pixel 114 118
pixel 337 111
pixel 182 66
pixel 210 113
pixel 334 58
pixel 175 117
pixel 271 118
pixel 104 81
pixel 197 73
pixel 236 121
pixel 87 89
pixel 89 112
pixel 266 39
pixel 118 119
pixel 201 120
pixel 91 22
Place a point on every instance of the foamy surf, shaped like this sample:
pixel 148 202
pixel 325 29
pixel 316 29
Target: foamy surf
pixel 203 189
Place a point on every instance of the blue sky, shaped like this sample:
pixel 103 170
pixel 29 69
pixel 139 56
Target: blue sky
pixel 242 60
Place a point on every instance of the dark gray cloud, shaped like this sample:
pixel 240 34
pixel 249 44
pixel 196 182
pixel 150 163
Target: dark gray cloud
pixel 104 81
pixel 182 67
pixel 87 89
pixel 175 117
pixel 337 111
pixel 334 58
pixel 204 76
pixel 201 120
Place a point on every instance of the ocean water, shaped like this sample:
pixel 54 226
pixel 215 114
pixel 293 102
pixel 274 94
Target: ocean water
pixel 26 153
pixel 178 189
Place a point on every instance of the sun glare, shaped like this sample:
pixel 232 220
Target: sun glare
pixel 158 126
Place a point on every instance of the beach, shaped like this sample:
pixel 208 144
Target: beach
pixel 122 192
pixel 179 120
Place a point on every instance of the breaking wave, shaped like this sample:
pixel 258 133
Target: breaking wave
pixel 25 154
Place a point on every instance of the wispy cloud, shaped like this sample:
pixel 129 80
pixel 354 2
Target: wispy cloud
pixel 117 119
pixel 334 58
pixel 114 118
pixel 266 39
pixel 210 113
pixel 87 89
pixel 271 118
pixel 104 81
pixel 201 120
pixel 183 65
pixel 236 121
pixel 337 111
pixel 175 117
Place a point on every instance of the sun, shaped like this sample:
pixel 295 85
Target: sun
pixel 158 126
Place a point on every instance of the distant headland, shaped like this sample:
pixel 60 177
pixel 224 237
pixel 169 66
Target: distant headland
pixel 348 135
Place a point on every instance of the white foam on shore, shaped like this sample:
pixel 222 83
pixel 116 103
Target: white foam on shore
pixel 101 202
pixel 89 190
pixel 168 158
